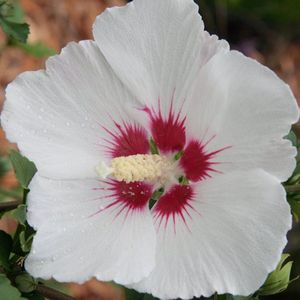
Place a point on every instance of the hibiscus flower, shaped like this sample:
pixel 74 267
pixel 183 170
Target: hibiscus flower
pixel 160 157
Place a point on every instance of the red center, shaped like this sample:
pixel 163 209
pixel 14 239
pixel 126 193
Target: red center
pixel 173 203
pixel 169 136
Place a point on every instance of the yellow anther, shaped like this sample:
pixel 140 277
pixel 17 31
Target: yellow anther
pixel 140 167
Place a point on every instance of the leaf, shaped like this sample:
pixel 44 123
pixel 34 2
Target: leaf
pixel 19 214
pixel 38 49
pixel 133 295
pixel 17 31
pixel 231 297
pixel 279 279
pixel 4 165
pixel 34 296
pixel 149 297
pixel 25 243
pixel 5 249
pixel 25 283
pixel 7 291
pixel 295 207
pixel 293 138
pixel 24 168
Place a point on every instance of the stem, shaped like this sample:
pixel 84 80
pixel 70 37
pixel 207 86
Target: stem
pixel 292 188
pixel 52 294
pixel 10 193
pixel 8 205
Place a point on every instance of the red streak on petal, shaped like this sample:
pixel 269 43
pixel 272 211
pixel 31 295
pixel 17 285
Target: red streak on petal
pixel 131 197
pixel 196 162
pixel 169 133
pixel 130 139
pixel 174 203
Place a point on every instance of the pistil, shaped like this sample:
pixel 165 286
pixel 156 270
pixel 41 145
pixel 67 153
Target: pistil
pixel 140 167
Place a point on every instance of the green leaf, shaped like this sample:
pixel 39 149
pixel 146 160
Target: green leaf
pixel 293 138
pixel 17 31
pixel 231 297
pixel 133 295
pixel 7 291
pixel 279 279
pixel 19 214
pixel 4 165
pixel 24 168
pixel 25 283
pixel 38 49
pixel 295 207
pixel 15 12
pixel 5 249
pixel 25 242
pixel 149 297
pixel 34 296
pixel 9 194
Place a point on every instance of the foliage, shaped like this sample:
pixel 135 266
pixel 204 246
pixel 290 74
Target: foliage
pixel 11 22
pixel 37 49
pixel 17 31
pixel 279 279
pixel 282 16
pixel 7 291
pixel 24 168
pixel 293 184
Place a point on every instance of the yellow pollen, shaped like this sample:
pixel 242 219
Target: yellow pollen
pixel 140 167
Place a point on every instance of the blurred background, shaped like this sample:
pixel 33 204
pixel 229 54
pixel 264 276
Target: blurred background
pixel 266 30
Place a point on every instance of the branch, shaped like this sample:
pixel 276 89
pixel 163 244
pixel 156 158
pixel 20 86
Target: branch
pixel 52 294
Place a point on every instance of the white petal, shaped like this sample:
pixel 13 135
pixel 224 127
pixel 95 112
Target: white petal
pixel 156 47
pixel 73 242
pixel 56 116
pixel 244 105
pixel 229 245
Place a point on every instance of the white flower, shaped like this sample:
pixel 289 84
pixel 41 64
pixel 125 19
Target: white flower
pixel 153 72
